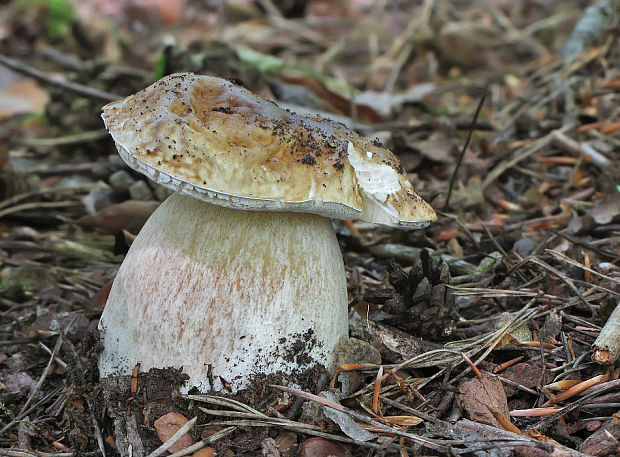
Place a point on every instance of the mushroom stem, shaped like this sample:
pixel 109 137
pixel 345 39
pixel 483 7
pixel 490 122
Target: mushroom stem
pixel 244 292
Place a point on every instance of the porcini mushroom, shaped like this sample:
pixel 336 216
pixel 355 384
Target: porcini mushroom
pixel 239 271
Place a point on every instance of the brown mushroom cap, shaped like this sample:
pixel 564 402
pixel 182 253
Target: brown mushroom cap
pixel 218 142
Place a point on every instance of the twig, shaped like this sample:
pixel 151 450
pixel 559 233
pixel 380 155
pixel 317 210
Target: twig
pixel 512 324
pixel 576 404
pixel 606 348
pixel 271 8
pixel 41 379
pixel 251 416
pixel 9 202
pixel 466 145
pixel 36 389
pixel 520 155
pixel 65 168
pixel 75 138
pixel 583 149
pixel 589 246
pixel 38 205
pixel 445 446
pixel 583 267
pixel 227 402
pixel 173 439
pixel 80 89
pixel 311 430
pixel 59 361
pixel 565 279
pixel 431 444
pixel 403 44
pixel 16 452
pixel 407 409
pixel 516 385
pixel 202 443
pixel 550 449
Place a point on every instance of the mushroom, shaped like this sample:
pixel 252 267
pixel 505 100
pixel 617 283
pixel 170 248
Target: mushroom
pixel 239 271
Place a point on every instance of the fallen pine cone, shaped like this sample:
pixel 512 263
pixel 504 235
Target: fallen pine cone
pixel 423 304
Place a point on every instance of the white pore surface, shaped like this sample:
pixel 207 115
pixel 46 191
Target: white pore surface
pixel 206 285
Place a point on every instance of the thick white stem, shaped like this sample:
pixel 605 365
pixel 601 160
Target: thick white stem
pixel 245 292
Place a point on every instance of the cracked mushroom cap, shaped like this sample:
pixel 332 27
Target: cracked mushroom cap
pixel 216 141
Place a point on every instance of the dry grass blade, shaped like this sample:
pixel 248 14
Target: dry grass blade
pixel 376 391
pixel 492 293
pixel 565 279
pixel 24 410
pixel 521 155
pixel 300 429
pixel 429 443
pixel 226 402
pixel 260 418
pixel 465 146
pixel 200 444
pixel 534 412
pixel 566 259
pixel 576 389
pixel 16 452
pixel 501 367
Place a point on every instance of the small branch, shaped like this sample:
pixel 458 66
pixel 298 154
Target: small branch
pixel 200 444
pixel 583 149
pixel 42 378
pixel 565 279
pixel 38 205
pixel 74 138
pixel 606 348
pixel 566 259
pixel 80 89
pixel 431 444
pixel 520 155
pixel 17 452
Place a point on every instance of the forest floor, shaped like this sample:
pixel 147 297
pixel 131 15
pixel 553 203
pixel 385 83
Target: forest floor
pixel 489 332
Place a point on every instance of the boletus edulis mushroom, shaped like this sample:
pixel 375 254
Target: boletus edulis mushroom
pixel 239 271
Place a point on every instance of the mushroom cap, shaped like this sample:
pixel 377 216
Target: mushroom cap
pixel 216 141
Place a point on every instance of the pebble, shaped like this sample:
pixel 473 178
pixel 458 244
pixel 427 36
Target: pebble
pixel 524 247
pixel 320 447
pixel 140 190
pixel 161 192
pixel 120 181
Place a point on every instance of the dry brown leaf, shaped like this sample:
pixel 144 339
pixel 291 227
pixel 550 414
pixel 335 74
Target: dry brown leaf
pixel 483 399
pixel 527 374
pixel 607 210
pixel 205 452
pixel 20 95
pixel 437 148
pixel 167 425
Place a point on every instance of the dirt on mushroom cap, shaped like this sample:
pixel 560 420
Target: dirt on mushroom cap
pixel 217 141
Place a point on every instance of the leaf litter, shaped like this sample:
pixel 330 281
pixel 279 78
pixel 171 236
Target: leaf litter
pixel 476 334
